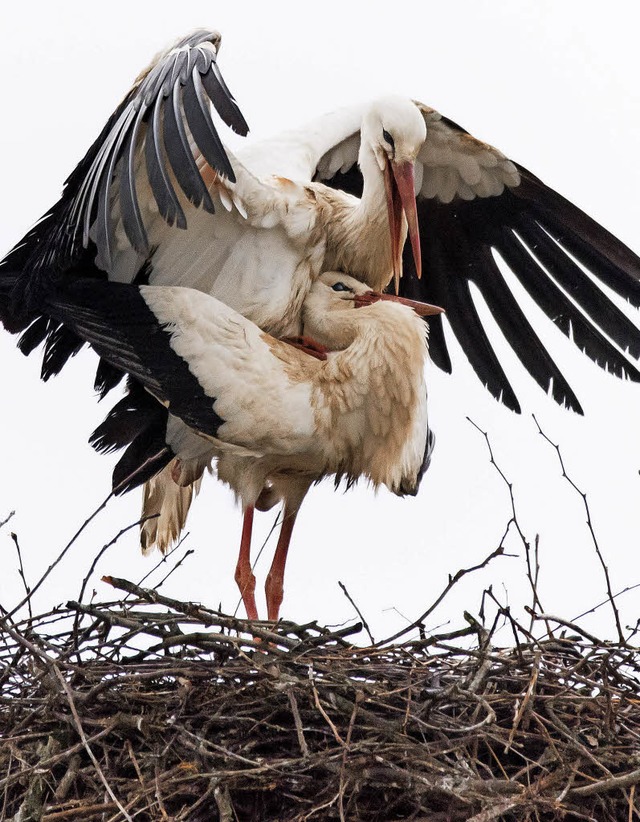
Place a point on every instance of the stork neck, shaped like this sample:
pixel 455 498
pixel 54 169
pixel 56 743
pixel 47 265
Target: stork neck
pixel 359 237
pixel 371 221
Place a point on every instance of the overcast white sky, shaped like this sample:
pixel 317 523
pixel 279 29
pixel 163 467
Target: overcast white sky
pixel 553 85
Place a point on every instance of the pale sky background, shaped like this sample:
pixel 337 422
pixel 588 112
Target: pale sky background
pixel 554 86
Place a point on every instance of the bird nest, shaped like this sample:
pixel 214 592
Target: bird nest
pixel 152 709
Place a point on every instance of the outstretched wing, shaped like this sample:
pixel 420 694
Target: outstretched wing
pixel 476 206
pixel 150 143
pixel 154 156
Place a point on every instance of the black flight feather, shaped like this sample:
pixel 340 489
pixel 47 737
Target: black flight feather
pixel 115 319
pixel 538 233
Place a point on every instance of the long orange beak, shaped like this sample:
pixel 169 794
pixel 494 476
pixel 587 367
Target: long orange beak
pixel 401 199
pixel 423 309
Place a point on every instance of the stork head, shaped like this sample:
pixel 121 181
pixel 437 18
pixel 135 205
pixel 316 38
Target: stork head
pixel 395 130
pixel 332 295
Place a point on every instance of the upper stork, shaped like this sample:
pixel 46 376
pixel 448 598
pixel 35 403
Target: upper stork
pixel 158 199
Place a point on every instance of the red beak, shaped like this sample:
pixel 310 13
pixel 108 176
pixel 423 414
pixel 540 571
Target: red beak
pixel 401 198
pixel 423 309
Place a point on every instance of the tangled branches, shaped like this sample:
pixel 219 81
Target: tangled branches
pixel 149 708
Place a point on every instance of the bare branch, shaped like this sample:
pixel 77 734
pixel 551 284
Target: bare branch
pixel 594 539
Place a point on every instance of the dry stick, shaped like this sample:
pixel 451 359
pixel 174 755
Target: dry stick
pixel 205 615
pixel 85 741
pixel 163 558
pixel 7 518
pixel 591 531
pixel 97 558
pixel 61 555
pixel 358 611
pixel 453 580
pixel 104 549
pixel 27 590
pixel 606 601
pixel 514 519
pixel 551 618
pixel 186 554
pixel 293 702
pixel 343 765
pixel 531 687
pixel 325 715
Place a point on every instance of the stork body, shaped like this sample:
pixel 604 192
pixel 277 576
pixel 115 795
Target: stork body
pixel 275 418
pixel 158 199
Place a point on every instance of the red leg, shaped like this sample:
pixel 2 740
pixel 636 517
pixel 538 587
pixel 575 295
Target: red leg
pixel 244 575
pixel 275 578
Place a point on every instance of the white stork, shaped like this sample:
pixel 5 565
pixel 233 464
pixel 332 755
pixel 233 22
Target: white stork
pixel 158 199
pixel 276 418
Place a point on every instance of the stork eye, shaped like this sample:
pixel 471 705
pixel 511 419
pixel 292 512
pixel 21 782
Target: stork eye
pixel 340 287
pixel 388 137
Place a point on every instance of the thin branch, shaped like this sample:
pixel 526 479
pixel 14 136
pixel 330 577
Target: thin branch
pixel 594 539
pixel 358 611
pixel 186 554
pixel 25 584
pixel 532 576
pixel 453 581
pixel 104 549
pixel 85 742
pixel 61 555
pixel 7 518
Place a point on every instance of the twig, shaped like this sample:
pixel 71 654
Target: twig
pixel 85 742
pixel 546 618
pixel 61 555
pixel 606 601
pixel 613 783
pixel 591 531
pixel 531 576
pixel 186 554
pixel 163 557
pixel 105 548
pixel 7 518
pixel 358 611
pixel 325 715
pixel 298 722
pixel 453 580
pixel 27 590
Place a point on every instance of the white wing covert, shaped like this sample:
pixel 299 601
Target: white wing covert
pixel 207 364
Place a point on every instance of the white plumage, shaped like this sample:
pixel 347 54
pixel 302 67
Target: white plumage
pixel 159 199
pixel 274 417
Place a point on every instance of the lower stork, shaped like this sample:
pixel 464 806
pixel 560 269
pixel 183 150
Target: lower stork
pixel 347 399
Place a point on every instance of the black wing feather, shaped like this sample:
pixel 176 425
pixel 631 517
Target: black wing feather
pixel 560 309
pixel 467 326
pixel 55 245
pixel 129 205
pixel 107 377
pixel 581 288
pixel 163 192
pixel 135 413
pixel 610 260
pixel 179 153
pixel 116 321
pixel 196 110
pixel 224 101
pixel 538 233
pixel 520 334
